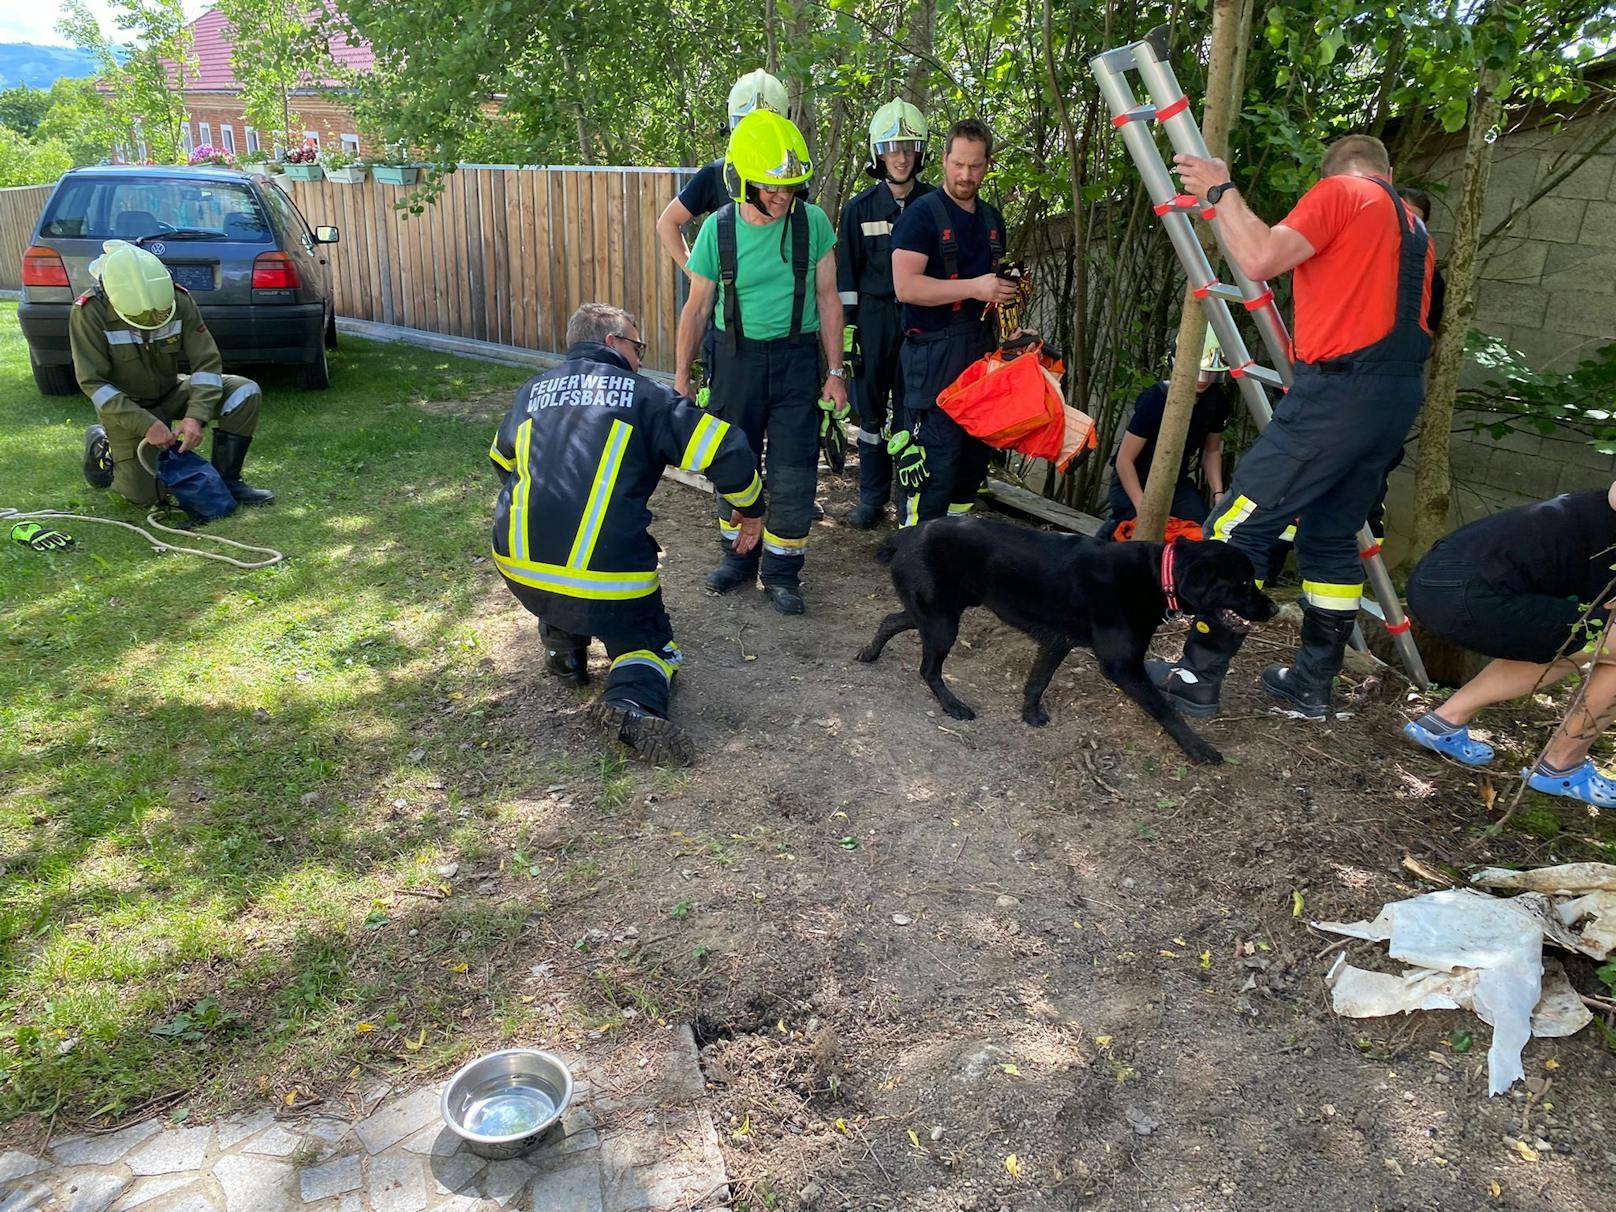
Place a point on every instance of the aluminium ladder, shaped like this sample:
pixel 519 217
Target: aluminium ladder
pixel 1170 108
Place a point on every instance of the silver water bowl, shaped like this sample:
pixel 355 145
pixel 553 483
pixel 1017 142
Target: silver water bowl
pixel 504 1103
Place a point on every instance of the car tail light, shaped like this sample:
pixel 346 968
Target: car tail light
pixel 43 266
pixel 274 271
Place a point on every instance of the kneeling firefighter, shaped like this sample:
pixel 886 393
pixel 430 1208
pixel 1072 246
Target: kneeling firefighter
pixel 874 332
pixel 128 334
pixel 579 456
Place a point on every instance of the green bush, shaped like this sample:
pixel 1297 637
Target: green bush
pixel 25 161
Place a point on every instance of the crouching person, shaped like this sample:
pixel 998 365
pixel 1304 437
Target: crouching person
pixel 128 334
pixel 580 454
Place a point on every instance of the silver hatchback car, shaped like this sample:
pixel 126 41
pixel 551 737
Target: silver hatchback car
pixel 256 269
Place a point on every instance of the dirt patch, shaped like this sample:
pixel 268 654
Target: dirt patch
pixel 980 966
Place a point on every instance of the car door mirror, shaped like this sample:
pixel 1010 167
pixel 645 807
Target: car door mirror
pixel 326 235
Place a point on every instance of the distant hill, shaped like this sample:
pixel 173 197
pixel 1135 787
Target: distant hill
pixel 41 66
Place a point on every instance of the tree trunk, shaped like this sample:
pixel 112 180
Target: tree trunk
pixel 922 40
pixel 771 41
pixel 1228 48
pixel 1433 473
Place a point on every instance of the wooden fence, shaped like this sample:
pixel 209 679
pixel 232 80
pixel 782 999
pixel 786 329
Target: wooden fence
pixel 504 255
pixel 19 211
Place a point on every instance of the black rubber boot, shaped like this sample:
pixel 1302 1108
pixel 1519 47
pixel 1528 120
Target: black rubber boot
pixel 571 665
pixel 736 572
pixel 1305 686
pixel 97 457
pixel 787 599
pixel 229 453
pixel 1195 681
pixel 656 740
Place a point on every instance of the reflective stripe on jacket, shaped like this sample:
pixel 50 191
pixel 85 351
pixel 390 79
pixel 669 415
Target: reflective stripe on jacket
pixel 580 453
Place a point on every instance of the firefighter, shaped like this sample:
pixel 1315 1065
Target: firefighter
pixel 946 250
pixel 705 193
pixel 768 259
pixel 128 334
pixel 873 332
pixel 1363 267
pixel 578 456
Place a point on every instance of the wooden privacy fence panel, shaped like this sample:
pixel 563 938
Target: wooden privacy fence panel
pixel 19 211
pixel 506 254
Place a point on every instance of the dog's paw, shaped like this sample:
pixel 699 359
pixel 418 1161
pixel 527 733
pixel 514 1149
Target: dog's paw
pixel 866 656
pixel 1203 754
pixel 1035 716
pixel 959 711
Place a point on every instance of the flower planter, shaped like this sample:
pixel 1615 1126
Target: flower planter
pixel 395 174
pixel 256 168
pixel 351 175
pixel 303 172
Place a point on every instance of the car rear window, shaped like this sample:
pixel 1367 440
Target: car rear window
pixel 126 208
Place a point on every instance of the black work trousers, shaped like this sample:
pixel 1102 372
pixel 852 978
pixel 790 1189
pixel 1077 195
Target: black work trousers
pixel 956 463
pixel 877 393
pixel 769 390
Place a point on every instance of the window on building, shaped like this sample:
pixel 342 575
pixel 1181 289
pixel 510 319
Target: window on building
pixel 350 144
pixel 186 140
pixel 312 137
pixel 252 140
pixel 227 138
pixel 206 129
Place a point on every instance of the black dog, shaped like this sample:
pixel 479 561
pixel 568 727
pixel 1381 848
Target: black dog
pixel 1065 591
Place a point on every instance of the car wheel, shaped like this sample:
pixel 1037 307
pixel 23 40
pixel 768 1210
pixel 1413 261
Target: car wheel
pixel 315 375
pixel 55 380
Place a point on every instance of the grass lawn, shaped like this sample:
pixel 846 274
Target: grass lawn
pixel 215 785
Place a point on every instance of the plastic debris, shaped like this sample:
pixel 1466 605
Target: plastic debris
pixel 1471 951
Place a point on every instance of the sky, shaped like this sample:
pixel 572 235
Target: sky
pixel 36 22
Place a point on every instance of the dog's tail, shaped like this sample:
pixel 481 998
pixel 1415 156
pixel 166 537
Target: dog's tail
pixel 891 545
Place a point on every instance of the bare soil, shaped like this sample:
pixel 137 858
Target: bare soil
pixel 979 966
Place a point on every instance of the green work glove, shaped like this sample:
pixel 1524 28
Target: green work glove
pixel 852 351
pixel 40 538
pixel 704 397
pixel 910 456
pixel 832 437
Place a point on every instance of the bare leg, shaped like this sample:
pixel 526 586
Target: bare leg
pixel 1499 682
pixel 1588 719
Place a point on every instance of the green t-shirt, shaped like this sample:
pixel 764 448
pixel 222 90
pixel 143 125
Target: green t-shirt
pixel 764 283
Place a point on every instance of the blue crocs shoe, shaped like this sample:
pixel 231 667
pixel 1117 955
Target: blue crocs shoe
pixel 1584 783
pixel 1457 745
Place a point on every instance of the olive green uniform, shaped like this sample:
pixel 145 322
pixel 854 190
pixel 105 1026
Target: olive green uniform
pixel 132 377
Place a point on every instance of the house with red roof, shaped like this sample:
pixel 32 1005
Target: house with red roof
pixel 213 98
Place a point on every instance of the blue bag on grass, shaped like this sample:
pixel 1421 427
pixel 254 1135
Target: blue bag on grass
pixel 195 484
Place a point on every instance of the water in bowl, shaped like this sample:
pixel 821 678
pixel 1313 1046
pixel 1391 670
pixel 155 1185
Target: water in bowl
pixel 509 1111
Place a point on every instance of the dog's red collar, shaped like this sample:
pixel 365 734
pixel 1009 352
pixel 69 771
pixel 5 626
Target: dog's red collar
pixel 1167 578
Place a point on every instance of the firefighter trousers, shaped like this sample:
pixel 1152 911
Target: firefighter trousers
pixel 637 636
pixel 238 414
pixel 769 390
pixel 877 393
pixel 1321 464
pixel 956 463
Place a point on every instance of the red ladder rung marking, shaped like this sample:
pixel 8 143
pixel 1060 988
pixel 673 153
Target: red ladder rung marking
pixel 1177 107
pixel 1261 301
pixel 1399 628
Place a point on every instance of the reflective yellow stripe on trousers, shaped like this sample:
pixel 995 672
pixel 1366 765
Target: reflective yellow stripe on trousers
pixel 1341 598
pixel 1236 512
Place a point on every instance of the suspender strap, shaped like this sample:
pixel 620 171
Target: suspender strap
pixel 726 220
pixel 799 263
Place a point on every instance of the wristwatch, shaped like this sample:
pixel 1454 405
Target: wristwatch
pixel 837 372
pixel 1217 191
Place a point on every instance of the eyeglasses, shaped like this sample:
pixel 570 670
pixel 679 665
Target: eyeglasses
pixel 639 346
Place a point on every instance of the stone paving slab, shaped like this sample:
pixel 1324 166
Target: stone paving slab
pixel 636 1139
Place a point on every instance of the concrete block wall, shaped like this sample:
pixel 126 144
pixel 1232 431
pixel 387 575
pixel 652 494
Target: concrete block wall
pixel 1547 287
